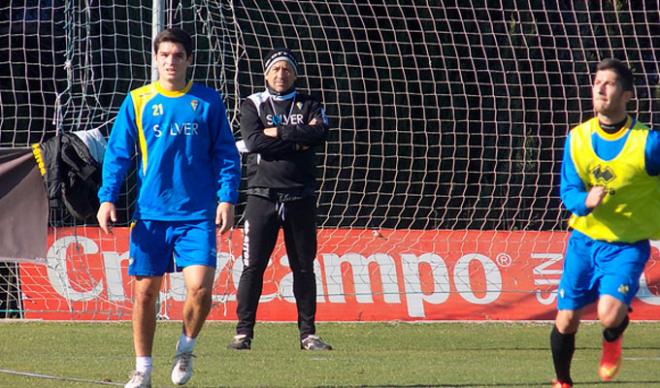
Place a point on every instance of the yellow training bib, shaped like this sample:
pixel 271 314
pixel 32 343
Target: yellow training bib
pixel 630 211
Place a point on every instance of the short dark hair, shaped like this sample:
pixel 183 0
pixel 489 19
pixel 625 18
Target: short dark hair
pixel 174 35
pixel 625 75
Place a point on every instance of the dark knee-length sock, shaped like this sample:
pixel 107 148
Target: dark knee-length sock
pixel 612 334
pixel 563 347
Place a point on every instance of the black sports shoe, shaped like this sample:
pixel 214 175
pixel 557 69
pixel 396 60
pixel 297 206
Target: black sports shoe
pixel 314 342
pixel 240 342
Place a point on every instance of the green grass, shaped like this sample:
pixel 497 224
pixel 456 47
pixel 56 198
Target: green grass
pixel 367 354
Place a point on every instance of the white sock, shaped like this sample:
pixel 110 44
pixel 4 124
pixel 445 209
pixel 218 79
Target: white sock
pixel 143 364
pixel 186 344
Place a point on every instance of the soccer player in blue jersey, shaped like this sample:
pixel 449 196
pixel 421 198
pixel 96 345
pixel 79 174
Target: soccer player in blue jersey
pixel 188 177
pixel 610 182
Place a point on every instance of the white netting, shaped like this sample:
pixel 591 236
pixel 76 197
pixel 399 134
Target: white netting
pixel 446 115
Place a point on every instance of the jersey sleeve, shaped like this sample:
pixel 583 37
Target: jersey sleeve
pixel 252 131
pixel 572 191
pixel 306 134
pixel 226 159
pixel 652 153
pixel 119 152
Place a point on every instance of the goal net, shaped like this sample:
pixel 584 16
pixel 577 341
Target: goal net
pixel 438 187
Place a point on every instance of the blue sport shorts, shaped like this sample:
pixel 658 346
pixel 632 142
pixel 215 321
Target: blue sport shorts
pixel 593 268
pixel 158 247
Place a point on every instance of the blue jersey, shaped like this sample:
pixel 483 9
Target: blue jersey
pixel 573 190
pixel 187 161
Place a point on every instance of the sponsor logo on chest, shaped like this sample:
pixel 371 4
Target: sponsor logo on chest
pixel 294 119
pixel 176 129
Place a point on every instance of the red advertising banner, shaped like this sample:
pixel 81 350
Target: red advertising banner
pixel 362 275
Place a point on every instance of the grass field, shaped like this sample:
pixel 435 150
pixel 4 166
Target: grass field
pixel 367 354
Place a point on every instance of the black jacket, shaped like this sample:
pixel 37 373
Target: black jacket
pixel 71 174
pixel 282 167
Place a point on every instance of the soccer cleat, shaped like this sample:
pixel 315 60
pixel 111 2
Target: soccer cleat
pixel 139 380
pixel 314 342
pixel 240 342
pixel 182 368
pixel 610 362
pixel 559 384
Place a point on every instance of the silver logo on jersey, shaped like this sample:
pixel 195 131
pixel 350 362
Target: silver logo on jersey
pixel 276 120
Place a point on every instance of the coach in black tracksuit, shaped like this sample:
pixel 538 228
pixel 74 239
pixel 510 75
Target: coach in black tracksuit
pixel 280 129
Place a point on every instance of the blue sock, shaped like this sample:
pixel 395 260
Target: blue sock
pixel 185 344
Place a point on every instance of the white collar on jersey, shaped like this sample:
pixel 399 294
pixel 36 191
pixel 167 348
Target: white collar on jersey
pixel 275 97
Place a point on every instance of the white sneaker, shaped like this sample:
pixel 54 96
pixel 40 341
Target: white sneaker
pixel 314 342
pixel 139 380
pixel 182 368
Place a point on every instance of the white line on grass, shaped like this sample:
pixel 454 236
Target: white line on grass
pixel 49 377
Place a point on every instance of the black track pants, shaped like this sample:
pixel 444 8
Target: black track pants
pixel 263 219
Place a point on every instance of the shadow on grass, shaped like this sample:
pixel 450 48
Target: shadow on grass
pixel 526 384
pixel 502 348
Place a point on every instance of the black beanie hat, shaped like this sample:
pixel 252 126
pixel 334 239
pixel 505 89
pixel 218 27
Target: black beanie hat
pixel 280 54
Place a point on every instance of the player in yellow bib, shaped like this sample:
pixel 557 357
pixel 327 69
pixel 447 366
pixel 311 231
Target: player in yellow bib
pixel 610 182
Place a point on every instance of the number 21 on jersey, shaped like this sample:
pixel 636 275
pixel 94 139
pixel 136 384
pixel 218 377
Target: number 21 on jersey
pixel 157 109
